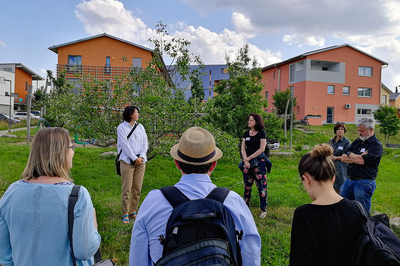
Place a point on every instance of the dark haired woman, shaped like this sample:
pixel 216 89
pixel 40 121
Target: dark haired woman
pixel 339 144
pixel 255 163
pixel 326 231
pixel 133 159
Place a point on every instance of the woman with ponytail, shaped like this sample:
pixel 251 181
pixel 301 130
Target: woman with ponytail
pixel 326 231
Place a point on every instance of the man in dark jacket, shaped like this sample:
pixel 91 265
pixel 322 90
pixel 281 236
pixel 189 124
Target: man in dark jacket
pixel 363 158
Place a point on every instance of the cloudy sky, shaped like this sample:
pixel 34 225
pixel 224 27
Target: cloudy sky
pixel 275 29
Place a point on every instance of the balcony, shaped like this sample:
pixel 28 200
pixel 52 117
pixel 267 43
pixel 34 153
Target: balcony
pixel 98 72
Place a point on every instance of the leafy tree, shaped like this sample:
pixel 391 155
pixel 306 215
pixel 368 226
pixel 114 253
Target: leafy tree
pixel 389 121
pixel 237 96
pixel 196 87
pixel 280 100
pixel 96 111
pixel 273 126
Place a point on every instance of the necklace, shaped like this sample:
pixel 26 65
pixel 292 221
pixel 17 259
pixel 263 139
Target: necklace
pixel 253 133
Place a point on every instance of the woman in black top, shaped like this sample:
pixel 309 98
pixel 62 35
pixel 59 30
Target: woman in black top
pixel 254 161
pixel 326 231
pixel 339 144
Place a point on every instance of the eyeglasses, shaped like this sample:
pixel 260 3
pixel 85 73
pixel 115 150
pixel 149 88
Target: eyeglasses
pixel 72 147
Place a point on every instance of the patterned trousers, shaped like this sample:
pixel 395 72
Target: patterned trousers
pixel 257 174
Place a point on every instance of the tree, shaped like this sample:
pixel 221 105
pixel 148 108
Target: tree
pixel 95 111
pixel 389 121
pixel 237 96
pixel 196 87
pixel 273 126
pixel 280 100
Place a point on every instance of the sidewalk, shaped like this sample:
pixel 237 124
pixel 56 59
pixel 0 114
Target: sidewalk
pixel 4 132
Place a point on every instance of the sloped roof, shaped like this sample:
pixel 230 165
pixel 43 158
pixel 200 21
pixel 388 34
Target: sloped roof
pixel 24 68
pixel 320 51
pixel 383 86
pixel 54 48
pixel 394 96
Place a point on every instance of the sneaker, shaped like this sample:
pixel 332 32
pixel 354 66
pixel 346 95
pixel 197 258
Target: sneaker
pixel 263 214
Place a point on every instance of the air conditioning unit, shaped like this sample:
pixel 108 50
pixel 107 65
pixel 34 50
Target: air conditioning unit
pixel 347 106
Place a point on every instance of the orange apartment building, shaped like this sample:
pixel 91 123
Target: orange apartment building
pixel 337 83
pixel 102 56
pixel 21 80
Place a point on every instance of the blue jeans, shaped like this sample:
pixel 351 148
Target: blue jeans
pixel 359 190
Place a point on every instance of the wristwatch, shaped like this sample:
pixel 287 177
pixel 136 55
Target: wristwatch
pixel 348 153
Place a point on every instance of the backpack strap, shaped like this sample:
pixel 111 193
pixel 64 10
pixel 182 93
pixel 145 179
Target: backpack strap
pixel 362 209
pixel 73 198
pixel 219 194
pixel 174 196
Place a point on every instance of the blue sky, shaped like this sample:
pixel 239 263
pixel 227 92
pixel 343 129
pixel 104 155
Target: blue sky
pixel 275 29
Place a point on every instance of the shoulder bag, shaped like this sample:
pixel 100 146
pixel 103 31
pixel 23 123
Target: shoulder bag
pixel 73 198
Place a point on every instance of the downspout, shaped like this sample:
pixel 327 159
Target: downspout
pixel 279 79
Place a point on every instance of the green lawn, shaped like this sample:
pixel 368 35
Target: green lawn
pixel 285 192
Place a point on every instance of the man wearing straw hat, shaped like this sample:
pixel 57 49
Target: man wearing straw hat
pixel 196 157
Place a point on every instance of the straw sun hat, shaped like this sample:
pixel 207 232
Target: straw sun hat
pixel 196 147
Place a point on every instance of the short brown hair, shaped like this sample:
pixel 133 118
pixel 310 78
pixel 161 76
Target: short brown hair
pixel 337 125
pixel 48 154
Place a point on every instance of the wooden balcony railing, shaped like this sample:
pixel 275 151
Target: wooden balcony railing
pixel 98 72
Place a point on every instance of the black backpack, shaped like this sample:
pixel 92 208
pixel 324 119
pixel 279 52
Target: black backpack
pixel 199 232
pixel 377 245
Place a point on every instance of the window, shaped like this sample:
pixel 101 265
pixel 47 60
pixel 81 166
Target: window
pixel 346 90
pixel 364 111
pixel 324 68
pixel 26 86
pixel 298 109
pixel 107 68
pixel 274 74
pixel 74 60
pixel 7 69
pixel 384 99
pixel 364 92
pixel 292 91
pixel 74 63
pixel 224 70
pixel 291 73
pixel 266 96
pixel 331 89
pixel 136 62
pixel 365 71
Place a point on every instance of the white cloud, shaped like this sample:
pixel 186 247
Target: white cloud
pixel 351 20
pixel 110 16
pixel 2 43
pixel 243 25
pixel 304 40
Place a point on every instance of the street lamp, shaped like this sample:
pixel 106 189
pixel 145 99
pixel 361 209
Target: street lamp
pixel 2 81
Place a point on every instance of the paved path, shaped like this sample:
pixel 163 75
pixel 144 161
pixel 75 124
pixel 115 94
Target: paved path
pixel 4 132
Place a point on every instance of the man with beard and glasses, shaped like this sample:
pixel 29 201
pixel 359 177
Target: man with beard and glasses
pixel 363 158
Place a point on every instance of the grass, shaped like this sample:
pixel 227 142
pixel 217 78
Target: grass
pixel 285 192
pixel 4 125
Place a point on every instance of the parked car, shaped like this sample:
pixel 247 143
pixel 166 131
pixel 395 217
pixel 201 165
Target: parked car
pixel 4 117
pixel 24 115
pixel 37 113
